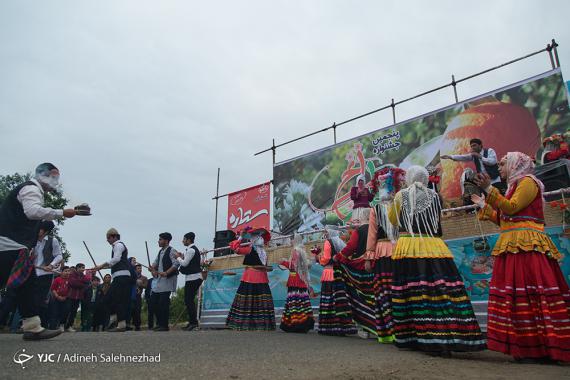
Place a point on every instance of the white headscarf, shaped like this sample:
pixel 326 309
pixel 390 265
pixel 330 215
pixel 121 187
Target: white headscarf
pixel 359 178
pixel 418 202
pixel 298 259
pixel 258 243
pixel 334 237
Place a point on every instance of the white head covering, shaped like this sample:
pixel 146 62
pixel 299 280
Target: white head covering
pixel 258 243
pixel 334 237
pixel 361 177
pixel 519 165
pixel 418 202
pixel 298 259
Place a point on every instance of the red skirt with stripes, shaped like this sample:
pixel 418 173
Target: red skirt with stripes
pixel 529 307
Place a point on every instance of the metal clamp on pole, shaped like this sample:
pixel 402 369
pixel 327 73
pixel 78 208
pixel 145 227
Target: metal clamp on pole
pixel 393 105
pixel 334 131
pixel 549 50
pixel 454 84
pixel 554 45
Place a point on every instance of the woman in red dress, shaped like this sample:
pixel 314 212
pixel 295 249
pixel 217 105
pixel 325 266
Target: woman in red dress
pixel 529 301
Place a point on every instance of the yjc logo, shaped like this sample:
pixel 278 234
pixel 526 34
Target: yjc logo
pixel 20 357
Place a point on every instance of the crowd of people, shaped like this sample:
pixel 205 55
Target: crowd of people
pixel 393 280
pixel 46 295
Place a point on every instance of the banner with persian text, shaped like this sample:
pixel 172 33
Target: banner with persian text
pixel 313 190
pixel 249 207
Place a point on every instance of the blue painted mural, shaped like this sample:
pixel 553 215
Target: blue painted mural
pixel 471 255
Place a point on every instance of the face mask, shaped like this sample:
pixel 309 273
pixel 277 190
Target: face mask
pixel 52 181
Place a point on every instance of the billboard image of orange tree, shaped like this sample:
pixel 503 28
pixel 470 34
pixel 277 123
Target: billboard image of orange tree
pixel 313 190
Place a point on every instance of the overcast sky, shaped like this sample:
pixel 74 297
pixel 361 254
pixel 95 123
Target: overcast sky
pixel 139 102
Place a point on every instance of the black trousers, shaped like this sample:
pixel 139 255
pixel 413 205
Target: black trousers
pixel 161 306
pixel 190 292
pixel 150 312
pixel 136 306
pixel 58 312
pixel 25 298
pixel 42 285
pixel 73 307
pixel 118 297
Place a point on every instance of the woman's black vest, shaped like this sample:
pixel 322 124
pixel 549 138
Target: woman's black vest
pixel 333 253
pixel 419 227
pixel 380 233
pixel 362 240
pixel 252 258
pixel 14 224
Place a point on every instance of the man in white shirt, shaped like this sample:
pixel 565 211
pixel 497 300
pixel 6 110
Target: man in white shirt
pixel 190 266
pixel 47 257
pixel 20 214
pixel 485 160
pixel 165 268
pixel 118 297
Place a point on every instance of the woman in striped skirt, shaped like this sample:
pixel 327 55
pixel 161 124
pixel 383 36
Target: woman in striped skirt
pixel 529 300
pixel 430 307
pixel 253 307
pixel 382 237
pixel 298 312
pixel 358 280
pixel 335 315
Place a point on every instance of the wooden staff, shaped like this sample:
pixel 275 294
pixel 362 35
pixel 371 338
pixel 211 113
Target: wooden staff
pixel 147 255
pixel 179 316
pixel 92 259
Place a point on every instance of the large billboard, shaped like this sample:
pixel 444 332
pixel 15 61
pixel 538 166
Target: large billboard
pixel 313 190
pixel 249 207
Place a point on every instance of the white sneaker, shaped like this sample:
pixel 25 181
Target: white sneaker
pixel 61 328
pixel 70 329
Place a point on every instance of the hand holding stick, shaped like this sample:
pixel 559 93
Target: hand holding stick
pixel 92 259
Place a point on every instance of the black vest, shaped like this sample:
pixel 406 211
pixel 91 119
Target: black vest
pixel 380 233
pixel 362 240
pixel 194 264
pixel 14 224
pixel 492 170
pixel 333 252
pixel 420 227
pixel 167 261
pixel 123 264
pixel 47 252
pixel 252 258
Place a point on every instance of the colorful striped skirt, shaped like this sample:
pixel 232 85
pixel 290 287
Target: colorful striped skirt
pixel 335 316
pixel 529 307
pixel 383 296
pixel 298 313
pixel 252 308
pixel 359 286
pixel 430 308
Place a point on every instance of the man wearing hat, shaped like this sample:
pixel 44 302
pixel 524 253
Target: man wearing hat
pixel 47 257
pixel 118 296
pixel 20 215
pixel 165 269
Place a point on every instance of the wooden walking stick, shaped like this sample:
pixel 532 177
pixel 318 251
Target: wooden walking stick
pixel 92 259
pixel 147 255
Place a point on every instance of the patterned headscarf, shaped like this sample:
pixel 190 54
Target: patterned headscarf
pixel 519 165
